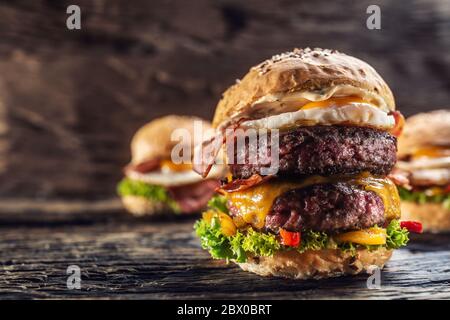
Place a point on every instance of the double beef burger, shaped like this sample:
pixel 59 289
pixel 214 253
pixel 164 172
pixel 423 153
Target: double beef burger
pixel 424 157
pixel 329 209
pixel 154 183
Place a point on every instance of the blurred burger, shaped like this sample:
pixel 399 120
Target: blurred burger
pixel 424 157
pixel 153 182
pixel 329 209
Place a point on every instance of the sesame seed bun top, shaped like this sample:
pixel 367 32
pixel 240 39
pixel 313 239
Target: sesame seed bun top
pixel 315 73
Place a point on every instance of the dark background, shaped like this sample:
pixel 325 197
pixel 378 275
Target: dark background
pixel 70 101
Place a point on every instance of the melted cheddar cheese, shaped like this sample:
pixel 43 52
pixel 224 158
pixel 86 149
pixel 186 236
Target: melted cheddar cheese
pixel 431 152
pixel 333 102
pixel 255 203
pixel 386 190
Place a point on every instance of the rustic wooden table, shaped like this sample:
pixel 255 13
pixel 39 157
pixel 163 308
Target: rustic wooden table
pixel 127 258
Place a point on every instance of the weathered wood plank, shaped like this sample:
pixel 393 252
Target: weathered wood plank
pixel 142 259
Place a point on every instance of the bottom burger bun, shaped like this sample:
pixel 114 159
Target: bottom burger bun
pixel 140 206
pixel 434 217
pixel 317 264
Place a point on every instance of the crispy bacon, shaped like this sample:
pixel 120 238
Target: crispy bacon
pixel 193 197
pixel 400 178
pixel 206 152
pixel 243 184
pixel 143 167
pixel 399 123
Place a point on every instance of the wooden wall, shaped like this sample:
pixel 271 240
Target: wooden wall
pixel 71 100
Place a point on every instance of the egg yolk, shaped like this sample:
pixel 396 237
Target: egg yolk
pixel 170 166
pixel 333 102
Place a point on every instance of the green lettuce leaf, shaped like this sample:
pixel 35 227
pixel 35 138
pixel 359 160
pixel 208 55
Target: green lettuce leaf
pixel 421 197
pixel 129 187
pixel 251 242
pixel 260 244
pixel 396 236
pixel 218 203
pixel 213 240
pixel 314 240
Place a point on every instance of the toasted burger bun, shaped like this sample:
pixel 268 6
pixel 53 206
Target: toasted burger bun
pixel 433 216
pixel 153 141
pixel 140 206
pixel 286 81
pixel 425 130
pixel 317 264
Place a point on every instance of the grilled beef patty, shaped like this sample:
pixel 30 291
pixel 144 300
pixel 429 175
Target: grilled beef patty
pixel 323 150
pixel 330 208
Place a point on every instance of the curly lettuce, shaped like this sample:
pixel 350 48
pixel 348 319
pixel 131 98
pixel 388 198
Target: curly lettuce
pixel 218 203
pixel 129 187
pixel 421 197
pixel 213 240
pixel 236 247
pixel 396 236
pixel 314 240
pixel 256 243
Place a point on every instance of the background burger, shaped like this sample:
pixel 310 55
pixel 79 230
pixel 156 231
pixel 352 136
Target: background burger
pixel 330 209
pixel 424 154
pixel 153 183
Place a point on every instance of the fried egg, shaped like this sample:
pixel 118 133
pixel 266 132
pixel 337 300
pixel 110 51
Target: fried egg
pixel 354 113
pixel 168 178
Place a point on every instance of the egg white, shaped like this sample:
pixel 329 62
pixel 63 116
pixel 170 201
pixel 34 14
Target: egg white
pixel 167 178
pixel 431 176
pixel 424 171
pixel 425 163
pixel 356 113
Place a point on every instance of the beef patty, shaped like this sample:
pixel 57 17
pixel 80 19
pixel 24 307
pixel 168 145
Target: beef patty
pixel 323 150
pixel 330 208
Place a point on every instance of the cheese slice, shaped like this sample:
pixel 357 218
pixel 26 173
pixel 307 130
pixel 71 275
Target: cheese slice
pixel 386 190
pixel 255 203
pixel 431 152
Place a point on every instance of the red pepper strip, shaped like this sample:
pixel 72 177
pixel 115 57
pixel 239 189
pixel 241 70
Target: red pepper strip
pixel 399 123
pixel 412 226
pixel 447 189
pixel 291 239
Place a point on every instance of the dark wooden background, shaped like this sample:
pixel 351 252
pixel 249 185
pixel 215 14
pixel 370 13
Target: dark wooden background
pixel 70 102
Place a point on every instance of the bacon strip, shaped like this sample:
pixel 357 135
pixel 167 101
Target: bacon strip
pixel 143 167
pixel 193 197
pixel 243 184
pixel 400 178
pixel 399 123
pixel 205 153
